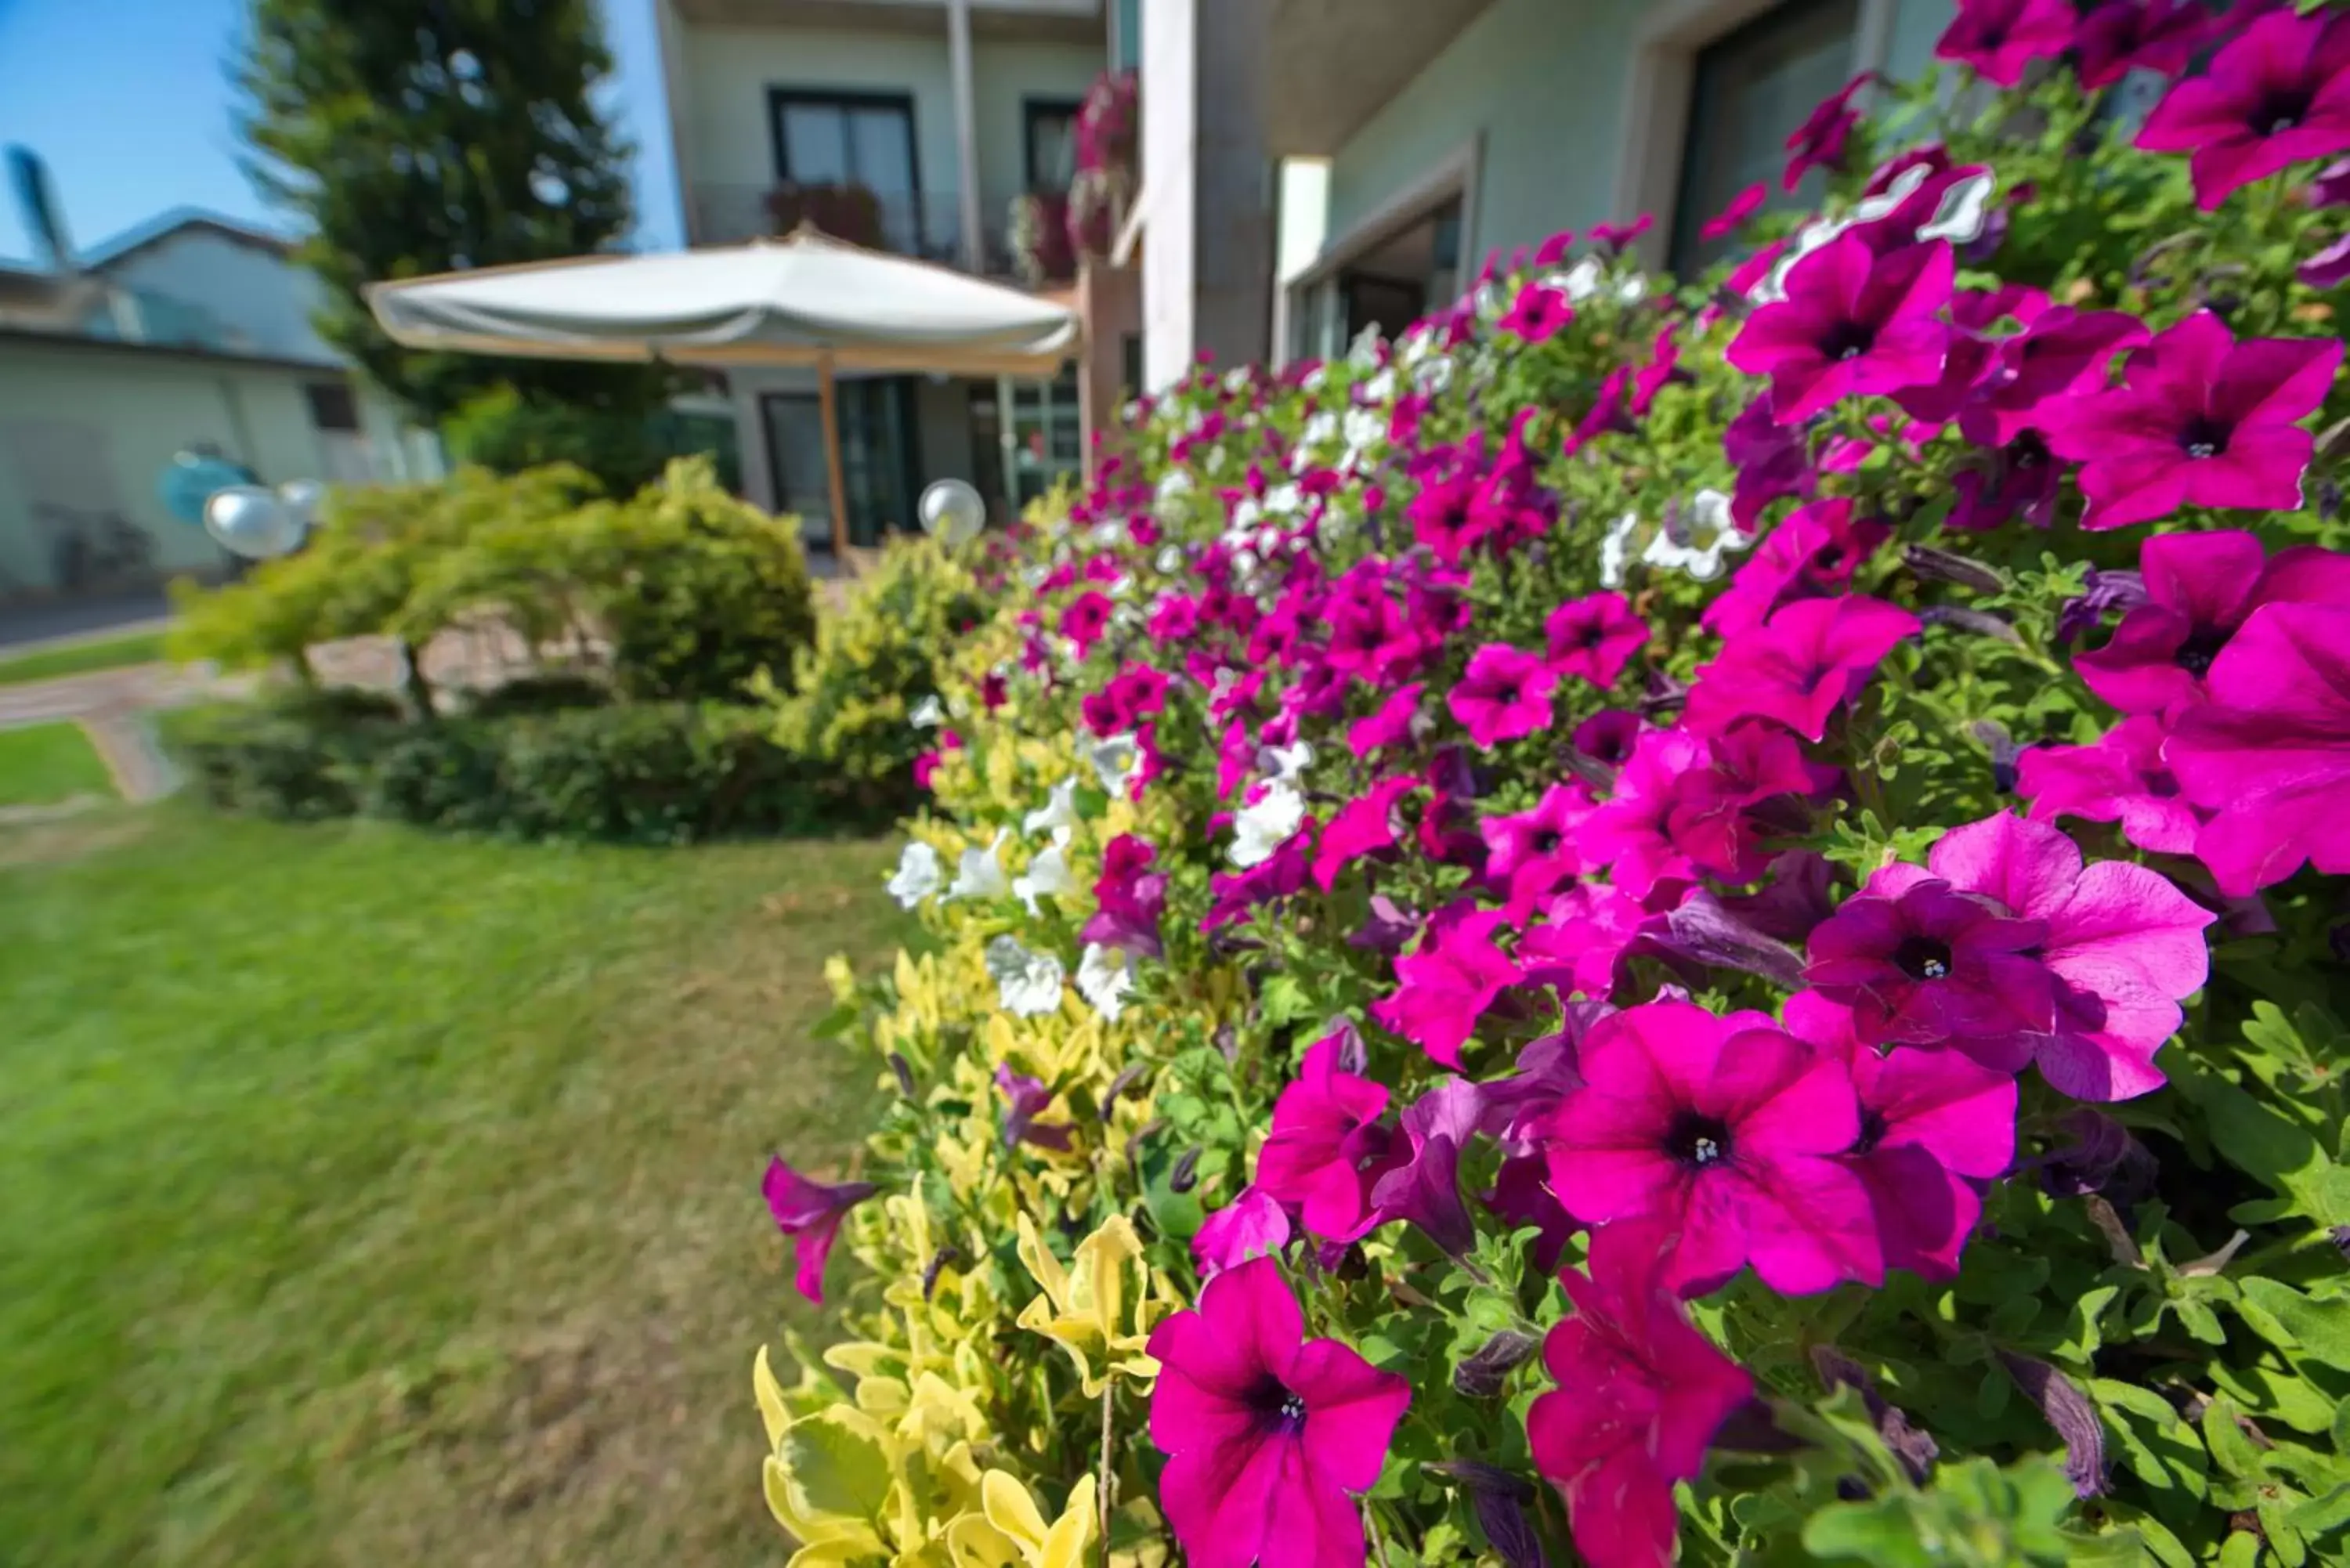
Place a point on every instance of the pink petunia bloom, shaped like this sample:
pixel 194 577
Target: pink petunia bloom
pixel 1662 370
pixel 2122 779
pixel 1532 853
pixel 1772 461
pixel 1853 324
pixel 1726 1130
pixel 2123 947
pixel 1391 725
pixel 2270 753
pixel 1818 547
pixel 2279 94
pixel 1932 1124
pixel 1505 694
pixel 1362 827
pixel 1422 1185
pixel 1932 965
pixel 1742 206
pixel 1539 314
pixel 1231 895
pixel 1134 694
pixel 1580 941
pixel 1640 1395
pixel 1269 1435
pixel 2124 36
pixel 1712 819
pixel 1086 620
pixel 2061 351
pixel 1326 1135
pixel 1818 142
pixel 1446 987
pixel 1593 637
pixel 1520 1198
pixel 810 1213
pixel 1608 736
pixel 1629 835
pixel 1616 236
pixel 1252 1225
pixel 2020 480
pixel 2200 588
pixel 2199 419
pixel 1999 37
pixel 1799 666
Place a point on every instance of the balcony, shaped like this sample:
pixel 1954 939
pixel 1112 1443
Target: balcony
pixel 1050 21
pixel 927 226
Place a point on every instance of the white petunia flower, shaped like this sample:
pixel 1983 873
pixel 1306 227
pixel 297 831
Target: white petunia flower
pixel 1170 559
pixel 1579 282
pixel 1260 829
pixel 1283 500
pixel 1047 875
pixel 1105 977
pixel 1380 389
pixel 1057 814
pixel 1615 549
pixel 981 873
pixel 1109 535
pixel 919 872
pixel 929 713
pixel 1236 380
pixel 1962 212
pixel 1633 290
pixel 1027 986
pixel 1699 538
pixel 1286 764
pixel 1035 575
pixel 1115 761
pixel 1363 353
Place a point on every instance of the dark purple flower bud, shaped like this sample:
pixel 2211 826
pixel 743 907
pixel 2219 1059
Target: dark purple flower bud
pixel 2327 268
pixel 1503 1522
pixel 1985 245
pixel 1915 1449
pixel 1386 929
pixel 2337 939
pixel 1354 1056
pixel 2330 186
pixel 1186 1174
pixel 2340 1237
pixel 1947 567
pixel 1478 1478
pixel 1663 692
pixel 1982 623
pixel 2100 1157
pixel 2004 753
pixel 1483 1374
pixel 2247 917
pixel 903 1071
pixel 1228 1043
pixel 2068 1410
pixel 1142 1135
pixel 1027 1098
pixel 1119 1086
pixel 939 1261
pixel 1701 929
pixel 1452 773
pixel 2119 592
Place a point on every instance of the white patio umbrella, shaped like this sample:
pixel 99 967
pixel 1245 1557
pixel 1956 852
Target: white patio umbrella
pixel 805 299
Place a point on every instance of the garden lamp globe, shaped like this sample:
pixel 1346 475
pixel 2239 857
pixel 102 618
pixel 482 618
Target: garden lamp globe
pixel 952 512
pixel 302 498
pixel 251 521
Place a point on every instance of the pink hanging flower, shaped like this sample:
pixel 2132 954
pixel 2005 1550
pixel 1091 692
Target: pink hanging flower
pixel 2124 36
pixel 1629 835
pixel 1999 37
pixel 1640 1395
pixel 1423 1187
pixel 2199 589
pixel 1325 1134
pixel 2122 779
pixel 1854 324
pixel 1932 1124
pixel 2061 351
pixel 1742 206
pixel 1446 987
pixel 1086 620
pixel 1580 941
pixel 1818 546
pixel 1391 725
pixel 1532 853
pixel 1133 695
pixel 1593 637
pixel 2279 94
pixel 1362 827
pixel 2269 756
pixel 1931 965
pixel 1269 1435
pixel 1128 898
pixel 1799 666
pixel 810 1213
pixel 1726 1130
pixel 1539 314
pixel 1504 695
pixel 1818 142
pixel 2199 419
pixel 1252 1225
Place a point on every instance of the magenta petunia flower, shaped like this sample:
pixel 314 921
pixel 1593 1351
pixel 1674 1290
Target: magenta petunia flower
pixel 1025 1099
pixel 2061 351
pixel 1742 206
pixel 1086 620
pixel 2269 756
pixel 1529 855
pixel 1391 725
pixel 1629 835
pixel 2277 95
pixel 1799 666
pixel 1712 820
pixel 1932 1124
pixel 1818 547
pixel 1252 1225
pixel 1134 694
pixel 1423 1187
pixel 2200 588
pixel 1854 323
pixel 1999 37
pixel 1364 826
pixel 1505 694
pixel 2199 419
pixel 1772 461
pixel 1640 1395
pixel 1539 314
pixel 2020 480
pixel 1448 985
pixel 1231 895
pixel 810 1213
pixel 1128 898
pixel 2122 779
pixel 2124 36
pixel 1580 940
pixel 1325 1134
pixel 1269 1435
pixel 1520 1198
pixel 1726 1130
pixel 2123 948
pixel 1593 637
pixel 1818 142
pixel 1932 965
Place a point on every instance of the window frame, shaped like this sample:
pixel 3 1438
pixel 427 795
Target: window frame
pixel 1034 110
pixel 781 98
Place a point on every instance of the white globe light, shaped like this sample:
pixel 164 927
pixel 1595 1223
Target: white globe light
pixel 952 511
pixel 250 520
pixel 302 498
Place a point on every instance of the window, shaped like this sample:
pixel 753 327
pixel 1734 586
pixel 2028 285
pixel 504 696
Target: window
pixel 332 407
pixel 863 140
pixel 1749 90
pixel 1052 142
pixel 876 446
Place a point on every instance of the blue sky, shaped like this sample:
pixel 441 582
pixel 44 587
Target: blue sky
pixel 128 102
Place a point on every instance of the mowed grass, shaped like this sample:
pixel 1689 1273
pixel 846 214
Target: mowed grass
pixel 40 764
pixel 81 658
pixel 372 1198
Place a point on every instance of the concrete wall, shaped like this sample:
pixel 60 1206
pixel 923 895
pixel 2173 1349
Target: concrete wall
pixel 729 138
pixel 1003 76
pixel 1170 157
pixel 258 295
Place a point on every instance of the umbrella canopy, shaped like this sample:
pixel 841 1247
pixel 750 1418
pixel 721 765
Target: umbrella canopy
pixel 802 300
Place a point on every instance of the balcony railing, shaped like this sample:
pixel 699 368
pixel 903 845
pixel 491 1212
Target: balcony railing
pixel 927 226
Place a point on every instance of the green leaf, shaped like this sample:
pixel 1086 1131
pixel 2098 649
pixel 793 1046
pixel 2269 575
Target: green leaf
pixel 2279 1153
pixel 2230 1450
pixel 2084 1333
pixel 2321 1515
pixel 1284 1001
pixel 2154 1444
pixel 2322 1328
pixel 832 1468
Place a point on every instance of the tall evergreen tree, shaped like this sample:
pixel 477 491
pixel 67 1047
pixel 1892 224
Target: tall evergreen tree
pixel 420 136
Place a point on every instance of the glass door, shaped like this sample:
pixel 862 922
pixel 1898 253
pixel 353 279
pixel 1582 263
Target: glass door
pixel 1046 440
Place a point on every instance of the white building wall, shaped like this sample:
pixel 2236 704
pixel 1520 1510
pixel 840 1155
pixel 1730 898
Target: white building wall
pixel 260 295
pixel 1171 186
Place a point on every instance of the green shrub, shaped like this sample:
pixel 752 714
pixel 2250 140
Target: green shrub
pixel 556 692
pixel 503 432
pixel 261 760
pixel 876 658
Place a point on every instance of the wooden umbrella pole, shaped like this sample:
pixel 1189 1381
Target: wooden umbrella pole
pixel 826 398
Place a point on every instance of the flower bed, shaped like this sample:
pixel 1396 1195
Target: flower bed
pixel 1689 920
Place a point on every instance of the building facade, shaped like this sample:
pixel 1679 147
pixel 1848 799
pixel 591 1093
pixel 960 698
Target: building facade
pixel 912 126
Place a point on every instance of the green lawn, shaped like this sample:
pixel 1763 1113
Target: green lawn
pixel 371 1199
pixel 44 763
pixel 81 658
